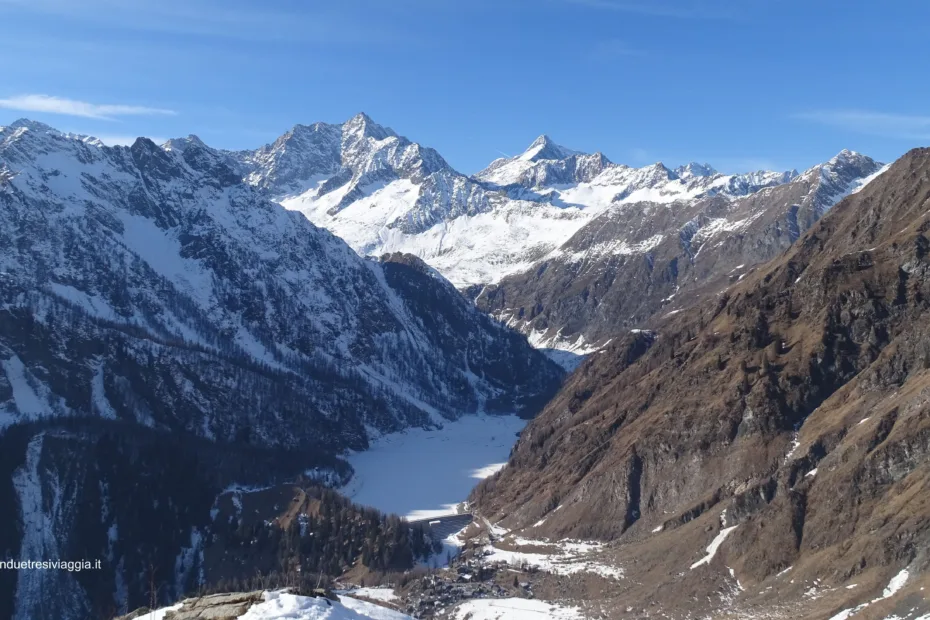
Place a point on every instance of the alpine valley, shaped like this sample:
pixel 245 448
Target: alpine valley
pixel 723 377
pixel 566 247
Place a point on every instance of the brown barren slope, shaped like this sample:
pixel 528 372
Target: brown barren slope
pixel 795 406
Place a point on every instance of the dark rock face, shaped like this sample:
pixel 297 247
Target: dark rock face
pixel 794 406
pixel 637 261
pixel 151 288
pixel 516 384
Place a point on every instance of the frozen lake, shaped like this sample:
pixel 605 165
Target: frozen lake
pixel 419 474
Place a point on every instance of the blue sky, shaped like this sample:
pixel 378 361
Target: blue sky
pixel 742 84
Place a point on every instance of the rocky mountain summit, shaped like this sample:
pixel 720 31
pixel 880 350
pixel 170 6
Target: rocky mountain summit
pixel 544 163
pixel 325 169
pixel 151 297
pixel 763 453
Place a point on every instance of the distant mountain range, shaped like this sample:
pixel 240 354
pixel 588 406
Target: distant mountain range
pixel 382 193
pixel 631 263
pixel 567 247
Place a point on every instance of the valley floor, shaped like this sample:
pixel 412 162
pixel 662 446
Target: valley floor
pixel 421 473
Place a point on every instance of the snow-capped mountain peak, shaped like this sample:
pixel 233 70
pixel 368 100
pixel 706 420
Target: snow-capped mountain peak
pixel 847 157
pixel 695 169
pixel 542 164
pixel 544 148
pixel 845 173
pixel 25 123
pixel 381 180
pixel 383 193
pixel 17 130
pixel 180 144
pixel 362 126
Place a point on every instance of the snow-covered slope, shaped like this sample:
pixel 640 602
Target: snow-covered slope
pixel 383 193
pixel 188 270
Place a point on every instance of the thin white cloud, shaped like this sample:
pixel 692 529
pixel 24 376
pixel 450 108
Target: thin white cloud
pixel 71 107
pixel 884 124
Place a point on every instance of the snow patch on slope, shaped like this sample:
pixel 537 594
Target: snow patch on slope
pixel 564 557
pixel 514 609
pixel 894 586
pixel 860 185
pixel 714 546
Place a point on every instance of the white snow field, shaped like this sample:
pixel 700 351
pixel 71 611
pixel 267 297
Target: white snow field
pixel 421 473
pixel 564 557
pixel 283 606
pixel 362 609
pixel 514 609
pixel 383 594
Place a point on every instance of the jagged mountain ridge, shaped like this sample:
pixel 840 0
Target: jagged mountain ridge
pixel 209 263
pixel 383 193
pixel 633 261
pixel 784 423
pixel 333 166
pixel 547 168
pixel 154 304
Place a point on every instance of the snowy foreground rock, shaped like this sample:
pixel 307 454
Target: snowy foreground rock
pixel 273 606
pixel 284 606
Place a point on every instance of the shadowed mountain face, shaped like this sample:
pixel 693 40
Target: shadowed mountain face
pixel 152 292
pixel 141 263
pixel 794 407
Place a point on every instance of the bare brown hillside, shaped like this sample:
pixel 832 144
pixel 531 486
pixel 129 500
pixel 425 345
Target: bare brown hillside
pixel 795 406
